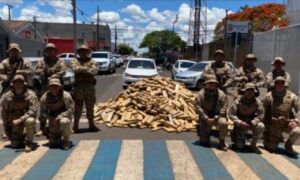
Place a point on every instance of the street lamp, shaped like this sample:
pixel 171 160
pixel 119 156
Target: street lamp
pixel 175 21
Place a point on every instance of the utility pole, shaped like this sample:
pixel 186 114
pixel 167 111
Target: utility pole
pixel 175 21
pixel 116 38
pixel 74 26
pixel 97 36
pixel 9 8
pixel 34 25
pixel 225 24
pixel 197 28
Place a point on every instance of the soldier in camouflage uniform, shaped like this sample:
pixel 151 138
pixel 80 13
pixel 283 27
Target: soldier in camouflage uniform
pixel 280 105
pixel 218 69
pixel 85 68
pixel 19 109
pixel 248 73
pixel 7 65
pixel 211 104
pixel 48 67
pixel 278 70
pixel 58 107
pixel 247 113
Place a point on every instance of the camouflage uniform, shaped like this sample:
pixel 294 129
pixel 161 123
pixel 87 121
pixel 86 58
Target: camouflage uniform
pixel 58 107
pixel 84 89
pixel 246 75
pixel 211 105
pixel 279 111
pixel 22 107
pixel 250 112
pixel 6 68
pixel 221 72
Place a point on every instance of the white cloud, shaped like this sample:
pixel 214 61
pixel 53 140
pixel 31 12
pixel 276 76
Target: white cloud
pixel 136 13
pixel 127 20
pixel 12 2
pixel 156 16
pixel 109 17
pixel 4 12
pixel 61 7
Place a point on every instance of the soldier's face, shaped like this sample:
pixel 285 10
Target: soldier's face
pixel 250 62
pixel 54 89
pixel 83 53
pixel 249 94
pixel 13 53
pixel 279 85
pixel 278 65
pixel 219 57
pixel 51 52
pixel 19 84
pixel 211 86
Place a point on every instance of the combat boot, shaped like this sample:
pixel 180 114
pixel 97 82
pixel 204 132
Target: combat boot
pixel 255 149
pixel 75 126
pixel 28 146
pixel 289 148
pixel 222 145
pixel 66 144
pixel 94 128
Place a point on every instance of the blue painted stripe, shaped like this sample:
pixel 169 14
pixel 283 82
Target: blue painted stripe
pixel 105 160
pixel 293 159
pixel 209 164
pixel 49 164
pixel 157 164
pixel 260 166
pixel 7 155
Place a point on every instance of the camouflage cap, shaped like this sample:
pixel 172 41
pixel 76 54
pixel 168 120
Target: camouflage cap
pixel 211 80
pixel 249 86
pixel 219 51
pixel 51 46
pixel 14 46
pixel 19 77
pixel 278 59
pixel 83 47
pixel 279 78
pixel 54 81
pixel 250 56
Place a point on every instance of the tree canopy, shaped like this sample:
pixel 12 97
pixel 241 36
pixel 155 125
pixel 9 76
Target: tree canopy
pixel 125 49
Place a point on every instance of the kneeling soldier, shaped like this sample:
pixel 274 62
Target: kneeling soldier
pixel 211 104
pixel 19 110
pixel 58 107
pixel 280 105
pixel 247 113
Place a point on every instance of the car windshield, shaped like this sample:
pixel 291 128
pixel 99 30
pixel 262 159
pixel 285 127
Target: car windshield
pixel 186 64
pixel 140 64
pixel 197 67
pixel 99 55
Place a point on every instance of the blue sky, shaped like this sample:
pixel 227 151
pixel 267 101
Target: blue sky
pixel 135 17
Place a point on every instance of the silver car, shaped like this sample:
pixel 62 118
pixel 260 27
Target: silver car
pixel 192 77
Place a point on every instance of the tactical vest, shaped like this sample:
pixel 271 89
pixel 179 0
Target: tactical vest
pixel 84 79
pixel 220 72
pixel 18 106
pixel 246 112
pixel 280 73
pixel 283 106
pixel 55 105
pixel 211 104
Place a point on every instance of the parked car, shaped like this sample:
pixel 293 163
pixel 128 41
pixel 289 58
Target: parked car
pixel 104 61
pixel 68 79
pixel 137 69
pixel 118 58
pixel 181 65
pixel 67 57
pixel 192 77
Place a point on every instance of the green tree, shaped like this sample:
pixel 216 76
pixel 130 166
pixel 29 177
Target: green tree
pixel 161 41
pixel 124 49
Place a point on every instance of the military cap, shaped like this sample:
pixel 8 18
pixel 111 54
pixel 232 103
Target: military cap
pixel 219 51
pixel 251 56
pixel 278 59
pixel 14 46
pixel 19 77
pixel 54 81
pixel 83 47
pixel 211 80
pixel 51 46
pixel 249 86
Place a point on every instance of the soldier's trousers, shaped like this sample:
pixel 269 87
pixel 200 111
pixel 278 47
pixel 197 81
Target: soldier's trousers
pixel 16 133
pixel 238 136
pixel 205 129
pixel 57 130
pixel 274 134
pixel 85 95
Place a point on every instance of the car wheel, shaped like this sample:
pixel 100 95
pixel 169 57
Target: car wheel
pixel 200 84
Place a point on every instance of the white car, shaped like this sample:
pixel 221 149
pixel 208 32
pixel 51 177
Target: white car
pixel 137 69
pixel 118 58
pixel 104 61
pixel 67 57
pixel 181 65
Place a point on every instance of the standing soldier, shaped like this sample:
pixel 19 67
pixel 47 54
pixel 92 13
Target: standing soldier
pixel 211 104
pixel 58 106
pixel 19 109
pixel 278 70
pixel 248 73
pixel 218 69
pixel 49 66
pixel 247 113
pixel 280 105
pixel 85 68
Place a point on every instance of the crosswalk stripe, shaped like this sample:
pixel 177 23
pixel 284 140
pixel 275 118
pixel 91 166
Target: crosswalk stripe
pixel 157 163
pixel 3 143
pixel 105 160
pixel 7 155
pixel 260 166
pixel 49 164
pixel 237 168
pixel 283 165
pixel 21 165
pixel 79 161
pixel 184 166
pixel 130 163
pixel 208 163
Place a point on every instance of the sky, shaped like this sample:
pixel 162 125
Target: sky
pixel 133 18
